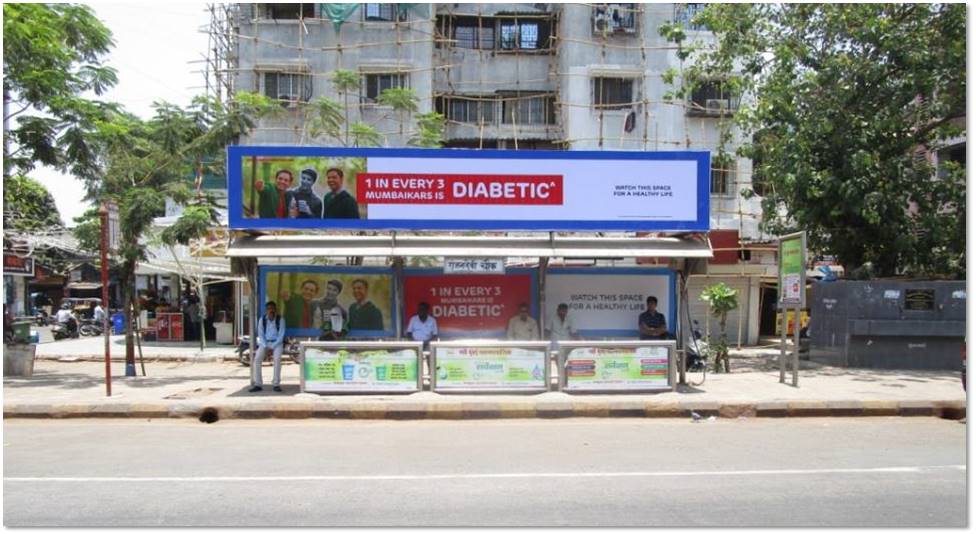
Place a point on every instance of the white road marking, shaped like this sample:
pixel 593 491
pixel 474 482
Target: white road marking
pixel 469 476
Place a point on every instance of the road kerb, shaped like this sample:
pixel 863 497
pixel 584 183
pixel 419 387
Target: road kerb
pixel 772 409
pixel 658 409
pixel 846 408
pixel 732 410
pixel 880 407
pixel 807 409
pixel 587 408
pixel 916 408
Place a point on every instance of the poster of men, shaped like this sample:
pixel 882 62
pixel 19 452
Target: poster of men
pixel 317 299
pixel 286 187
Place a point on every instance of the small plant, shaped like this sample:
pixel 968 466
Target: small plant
pixel 721 299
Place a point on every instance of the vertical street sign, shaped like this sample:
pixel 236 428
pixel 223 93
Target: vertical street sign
pixel 792 293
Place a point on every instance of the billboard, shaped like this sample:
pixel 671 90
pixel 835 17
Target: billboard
pixel 506 366
pixel 792 269
pixel 477 305
pixel 612 367
pixel 606 302
pixel 278 187
pixel 360 368
pixel 306 296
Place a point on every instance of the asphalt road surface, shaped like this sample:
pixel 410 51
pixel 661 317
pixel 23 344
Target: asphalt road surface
pixel 905 472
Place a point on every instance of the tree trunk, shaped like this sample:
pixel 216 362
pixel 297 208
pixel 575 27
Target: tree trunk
pixel 128 305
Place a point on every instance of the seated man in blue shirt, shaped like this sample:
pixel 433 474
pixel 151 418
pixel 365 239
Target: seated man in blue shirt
pixel 652 324
pixel 271 337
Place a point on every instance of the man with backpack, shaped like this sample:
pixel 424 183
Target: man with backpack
pixel 271 337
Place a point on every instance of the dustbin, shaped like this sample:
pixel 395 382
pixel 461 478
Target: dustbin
pixel 20 331
pixel 118 323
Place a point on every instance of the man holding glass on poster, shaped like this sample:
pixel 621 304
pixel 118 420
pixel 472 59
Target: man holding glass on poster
pixel 304 204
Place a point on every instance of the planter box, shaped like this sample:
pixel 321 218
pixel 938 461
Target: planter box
pixel 18 360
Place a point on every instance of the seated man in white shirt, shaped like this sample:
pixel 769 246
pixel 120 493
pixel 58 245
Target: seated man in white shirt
pixel 422 327
pixel 561 326
pixel 271 337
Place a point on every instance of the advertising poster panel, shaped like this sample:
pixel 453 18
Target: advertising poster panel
pixel 350 369
pixel 361 299
pixel 792 269
pixel 279 187
pixel 470 306
pixel 600 368
pixel 607 302
pixel 490 367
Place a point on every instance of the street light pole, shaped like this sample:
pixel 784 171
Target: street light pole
pixel 103 214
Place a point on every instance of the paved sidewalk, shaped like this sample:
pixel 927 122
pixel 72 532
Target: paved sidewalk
pixel 93 349
pixel 198 388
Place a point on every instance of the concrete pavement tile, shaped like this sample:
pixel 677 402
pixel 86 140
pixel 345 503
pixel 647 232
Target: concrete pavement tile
pixel 807 409
pixel 772 409
pixel 880 407
pixel 846 408
pixel 731 410
pixel 406 410
pixel 520 409
pixel 658 408
pixel 591 408
pixel 626 408
pixel 915 408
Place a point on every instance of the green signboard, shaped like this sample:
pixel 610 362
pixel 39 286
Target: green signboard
pixel 600 368
pixel 360 370
pixel 493 368
pixel 792 269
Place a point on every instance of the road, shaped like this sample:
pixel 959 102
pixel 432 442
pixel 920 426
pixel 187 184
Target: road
pixel 585 472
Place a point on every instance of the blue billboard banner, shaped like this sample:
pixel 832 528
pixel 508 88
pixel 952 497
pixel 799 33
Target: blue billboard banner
pixel 360 301
pixel 294 187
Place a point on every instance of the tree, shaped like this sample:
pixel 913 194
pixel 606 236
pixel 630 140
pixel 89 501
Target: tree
pixel 53 54
pixel 28 205
pixel 145 162
pixel 721 299
pixel 840 101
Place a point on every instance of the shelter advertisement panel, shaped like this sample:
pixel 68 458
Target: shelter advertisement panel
pixel 292 187
pixel 602 368
pixel 792 269
pixel 495 367
pixel 360 369
pixel 358 300
pixel 607 302
pixel 470 305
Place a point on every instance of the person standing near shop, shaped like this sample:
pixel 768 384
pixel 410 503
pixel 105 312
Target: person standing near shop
pixel 273 201
pixel 651 323
pixel 522 327
pixel 561 326
pixel 338 203
pixel 363 314
pixel 271 338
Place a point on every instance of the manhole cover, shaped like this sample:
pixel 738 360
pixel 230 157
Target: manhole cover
pixel 192 394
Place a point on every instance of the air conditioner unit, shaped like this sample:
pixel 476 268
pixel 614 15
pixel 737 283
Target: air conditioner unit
pixel 716 105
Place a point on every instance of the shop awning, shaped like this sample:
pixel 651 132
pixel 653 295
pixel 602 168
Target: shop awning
pixel 270 246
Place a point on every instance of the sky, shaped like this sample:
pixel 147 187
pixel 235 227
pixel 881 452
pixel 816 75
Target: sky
pixel 155 44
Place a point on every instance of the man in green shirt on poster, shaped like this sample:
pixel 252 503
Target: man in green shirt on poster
pixel 363 314
pixel 273 201
pixel 338 203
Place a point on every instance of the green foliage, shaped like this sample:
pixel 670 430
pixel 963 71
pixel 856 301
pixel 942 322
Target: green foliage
pixel 363 134
pixel 28 205
pixel 838 100
pixel 345 81
pixel 721 299
pixel 52 55
pixel 430 130
pixel 401 99
pixel 324 117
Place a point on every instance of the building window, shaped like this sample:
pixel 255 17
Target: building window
pixel 291 11
pixel 613 93
pixel 469 32
pixel 615 18
pixel 375 84
pixel 684 13
pixel 712 98
pixel 723 175
pixel 520 35
pixel 471 110
pixel 289 88
pixel 522 109
pixel 384 12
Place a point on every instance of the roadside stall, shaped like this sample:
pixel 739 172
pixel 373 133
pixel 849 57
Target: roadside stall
pixel 474 284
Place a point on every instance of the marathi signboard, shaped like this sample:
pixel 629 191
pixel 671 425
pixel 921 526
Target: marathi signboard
pixel 456 189
pixel 474 265
pixel 17 265
pixel 793 270
pixel 477 305
pixel 594 366
pixel 499 366
pixel 359 300
pixel 360 368
pixel 607 302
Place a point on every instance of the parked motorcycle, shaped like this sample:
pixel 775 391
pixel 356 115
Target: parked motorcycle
pixel 64 330
pixel 696 350
pixel 90 327
pixel 291 350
